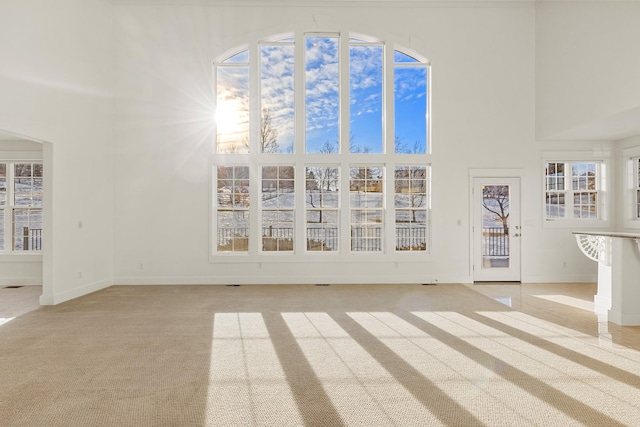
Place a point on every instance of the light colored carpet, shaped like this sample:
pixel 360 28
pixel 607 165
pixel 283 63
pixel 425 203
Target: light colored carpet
pixel 352 355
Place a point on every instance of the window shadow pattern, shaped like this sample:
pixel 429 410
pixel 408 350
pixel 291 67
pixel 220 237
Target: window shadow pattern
pixel 303 355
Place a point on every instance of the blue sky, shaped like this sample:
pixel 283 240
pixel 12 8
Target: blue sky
pixel 321 64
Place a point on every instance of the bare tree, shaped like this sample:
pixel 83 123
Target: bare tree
pixel 404 147
pixel 268 133
pixel 353 148
pixel 500 208
pixel 329 148
pixel 320 181
pixel 411 182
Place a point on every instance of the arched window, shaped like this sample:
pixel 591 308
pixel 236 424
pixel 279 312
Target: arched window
pixel 322 147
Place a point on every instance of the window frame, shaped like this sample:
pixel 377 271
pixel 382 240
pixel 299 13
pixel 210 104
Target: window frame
pixel 301 160
pixel 631 159
pixel 412 209
pixel 320 243
pixel 602 160
pixel 10 207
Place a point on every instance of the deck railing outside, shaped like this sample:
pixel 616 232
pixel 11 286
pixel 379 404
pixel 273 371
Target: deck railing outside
pixel 363 239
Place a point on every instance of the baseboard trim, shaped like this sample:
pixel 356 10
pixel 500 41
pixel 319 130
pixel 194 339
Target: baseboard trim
pixel 578 278
pixel 268 280
pixel 61 297
pixel 21 281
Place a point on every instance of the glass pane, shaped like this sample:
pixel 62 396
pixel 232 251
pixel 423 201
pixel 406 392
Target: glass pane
pixel 269 172
pixel 410 201
pixel 366 186
pixel 584 175
pixel 585 205
pixel 322 230
pixel 1 229
pixel 280 191
pixel 37 192
pixel 23 169
pixel 410 105
pixel 322 92
pixel 22 191
pixel 232 191
pixel 322 187
pixel 242 57
pixel 3 170
pixel 365 68
pixel 37 170
pixel 233 231
pixel 27 229
pixel 232 111
pixel 495 226
pixel 410 236
pixel 402 57
pixel 277 230
pixel 555 204
pixel 277 96
pixel 3 191
pixel 366 238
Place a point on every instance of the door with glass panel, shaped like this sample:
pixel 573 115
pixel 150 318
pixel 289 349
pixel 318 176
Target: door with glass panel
pixel 496 229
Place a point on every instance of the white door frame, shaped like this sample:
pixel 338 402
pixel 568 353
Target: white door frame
pixel 488 173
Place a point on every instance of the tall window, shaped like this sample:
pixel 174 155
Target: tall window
pixel 322 124
pixel 366 97
pixel 410 201
pixel 322 93
pixel 3 202
pixel 278 202
pixel 411 104
pixel 366 200
pixel 232 112
pixel 233 204
pixel 636 178
pixel 21 189
pixel 277 103
pixel 572 190
pixel 322 203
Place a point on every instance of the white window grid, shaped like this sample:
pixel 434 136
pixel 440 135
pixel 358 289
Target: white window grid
pixel 21 216
pixel 572 190
pixel 411 202
pixel 254 157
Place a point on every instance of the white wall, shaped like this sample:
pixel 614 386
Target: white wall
pixel 483 117
pixel 587 64
pixel 56 82
pixel 501 72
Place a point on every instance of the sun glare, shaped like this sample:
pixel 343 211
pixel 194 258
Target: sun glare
pixel 230 119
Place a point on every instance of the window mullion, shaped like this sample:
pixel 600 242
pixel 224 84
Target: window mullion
pixel 255 210
pixel 568 186
pixel 344 228
pixel 300 223
pixel 636 193
pixel 388 125
pixel 7 209
pixel 9 237
pixel 344 150
pixel 343 61
pixel 299 145
pixel 254 98
pixel 389 207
